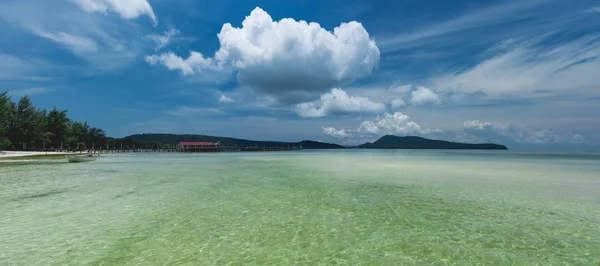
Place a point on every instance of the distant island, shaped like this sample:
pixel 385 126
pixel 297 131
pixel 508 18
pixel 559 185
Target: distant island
pixel 385 142
pixel 412 142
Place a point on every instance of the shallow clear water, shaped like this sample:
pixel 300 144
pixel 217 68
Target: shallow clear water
pixel 350 207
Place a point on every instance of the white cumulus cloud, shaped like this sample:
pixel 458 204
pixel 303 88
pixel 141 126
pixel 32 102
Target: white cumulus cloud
pixel 128 9
pixel 396 123
pixel 194 63
pixel 386 124
pixel 292 61
pixel 424 96
pixel 476 124
pixel 337 102
pixel 330 131
pixel 225 99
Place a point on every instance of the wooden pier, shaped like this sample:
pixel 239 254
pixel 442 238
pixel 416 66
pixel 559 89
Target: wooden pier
pixel 217 147
pixel 174 150
pixel 191 147
pixel 185 147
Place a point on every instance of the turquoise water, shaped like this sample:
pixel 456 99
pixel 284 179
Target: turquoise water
pixel 306 208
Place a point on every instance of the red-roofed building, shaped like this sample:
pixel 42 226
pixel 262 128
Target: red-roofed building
pixel 193 146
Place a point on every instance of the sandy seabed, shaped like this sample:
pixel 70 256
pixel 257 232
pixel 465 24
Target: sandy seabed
pixel 303 208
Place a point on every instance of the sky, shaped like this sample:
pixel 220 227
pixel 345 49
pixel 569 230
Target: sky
pixel 524 73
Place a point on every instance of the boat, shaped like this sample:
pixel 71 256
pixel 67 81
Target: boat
pixel 81 158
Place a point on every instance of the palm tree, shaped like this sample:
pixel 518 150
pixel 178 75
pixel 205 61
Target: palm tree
pixel 46 138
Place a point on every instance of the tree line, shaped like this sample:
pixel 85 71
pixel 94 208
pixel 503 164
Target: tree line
pixel 25 127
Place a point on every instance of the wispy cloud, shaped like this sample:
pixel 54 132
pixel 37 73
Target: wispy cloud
pixel 519 134
pixel 103 42
pixel 532 70
pixel 75 43
pixel 506 12
pixel 592 10
pixel 129 9
pixel 193 111
pixel 165 39
pixel 28 91
pixel 15 68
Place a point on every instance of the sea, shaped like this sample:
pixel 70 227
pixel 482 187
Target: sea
pixel 346 207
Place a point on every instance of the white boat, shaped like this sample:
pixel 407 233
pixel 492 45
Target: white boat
pixel 80 158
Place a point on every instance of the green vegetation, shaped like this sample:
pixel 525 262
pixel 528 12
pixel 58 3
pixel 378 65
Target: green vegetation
pixel 25 127
pixel 5 105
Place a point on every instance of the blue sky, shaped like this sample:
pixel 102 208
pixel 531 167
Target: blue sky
pixel 524 73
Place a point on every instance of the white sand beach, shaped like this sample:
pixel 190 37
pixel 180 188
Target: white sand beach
pixel 14 154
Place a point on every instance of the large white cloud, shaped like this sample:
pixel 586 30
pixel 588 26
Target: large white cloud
pixel 293 61
pixel 127 9
pixel 337 102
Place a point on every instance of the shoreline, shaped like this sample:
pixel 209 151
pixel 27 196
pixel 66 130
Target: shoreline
pixel 7 155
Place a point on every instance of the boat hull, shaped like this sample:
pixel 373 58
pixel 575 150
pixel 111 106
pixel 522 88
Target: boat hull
pixel 80 159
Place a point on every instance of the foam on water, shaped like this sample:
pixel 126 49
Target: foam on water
pixel 352 207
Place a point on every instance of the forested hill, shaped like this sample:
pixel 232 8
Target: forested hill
pixel 173 139
pixel 395 142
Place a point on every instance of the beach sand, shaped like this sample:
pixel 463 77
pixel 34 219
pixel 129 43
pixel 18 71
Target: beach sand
pixel 17 154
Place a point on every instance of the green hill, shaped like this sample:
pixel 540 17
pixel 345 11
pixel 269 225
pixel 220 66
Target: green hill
pixel 395 142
